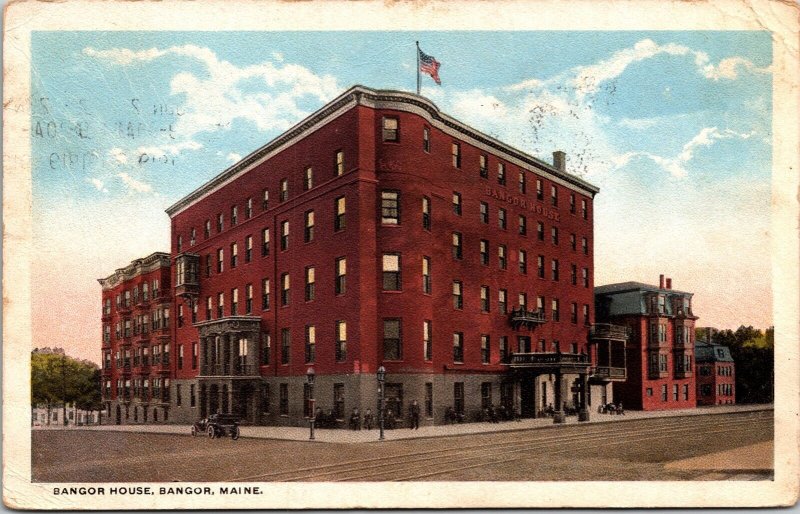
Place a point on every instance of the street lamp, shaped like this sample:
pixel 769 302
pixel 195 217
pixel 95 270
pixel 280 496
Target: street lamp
pixel 311 418
pixel 381 380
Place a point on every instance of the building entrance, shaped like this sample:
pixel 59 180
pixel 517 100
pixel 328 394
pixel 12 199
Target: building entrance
pixel 527 397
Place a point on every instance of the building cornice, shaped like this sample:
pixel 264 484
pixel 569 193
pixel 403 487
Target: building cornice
pixel 137 267
pixel 399 100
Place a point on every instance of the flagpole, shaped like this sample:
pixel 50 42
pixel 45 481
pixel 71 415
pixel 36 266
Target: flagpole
pixel 417 67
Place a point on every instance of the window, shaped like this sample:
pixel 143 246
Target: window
pixel 341 341
pixel 523 225
pixel 501 218
pixel 522 300
pixel 285 286
pixel 686 391
pixel 220 222
pixel 426 139
pixel 554 307
pixel 194 356
pixel 485 351
pixel 573 274
pixel 501 173
pixel 426 213
pixel 483 166
pixel 539 189
pixel 284 400
pixel 391 272
pixel 208 307
pixel 484 298
pixel 573 313
pixel 554 196
pixel 523 262
pixel 338 401
pixel 340 210
pixel 649 391
pixel 484 252
pixel 585 274
pixel 427 345
pixel 585 246
pixel 311 343
pixel 584 211
pixel 503 351
pixel 310 284
pixel 248 208
pixel 179 244
pixel 457 245
pixel 458 347
pixel 572 203
pixel 265 294
pixel 265 200
pixel 501 257
pixel 554 269
pixel 192 396
pixel 284 190
pixel 339 166
pixel 207 229
pixel 554 235
pixel 391 130
pixel 540 265
pixel 248 248
pixel 675 392
pixel 484 212
pixel 522 183
pixel 341 275
pixel 284 234
pixel 286 343
pixel 266 349
pixel 457 203
pixel 540 231
pixel 234 255
pixel 456 150
pixel 308 178
pixel 220 304
pixel 264 242
pixel 234 215
pixel 572 242
pixel 458 397
pixel 392 343
pixel 390 207
pixel 429 399
pixel 308 233
pixel 234 301
pixel 180 356
pixel 586 320
pixel 458 297
pixel 502 301
pixel 426 275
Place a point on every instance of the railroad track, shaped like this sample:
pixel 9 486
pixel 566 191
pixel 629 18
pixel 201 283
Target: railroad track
pixel 425 464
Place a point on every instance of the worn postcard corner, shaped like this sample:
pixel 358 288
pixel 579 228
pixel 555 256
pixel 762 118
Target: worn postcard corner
pixel 400 255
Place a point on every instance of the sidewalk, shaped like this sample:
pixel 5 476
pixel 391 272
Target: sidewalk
pixel 363 436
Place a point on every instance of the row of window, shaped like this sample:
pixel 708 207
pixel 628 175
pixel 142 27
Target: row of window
pixel 143 388
pixel 140 324
pixel 675 392
pixel 308 183
pixel 657 363
pixel 683 335
pixel 391 133
pixel 126 298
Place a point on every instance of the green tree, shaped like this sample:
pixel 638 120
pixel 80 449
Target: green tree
pixel 753 353
pixel 57 379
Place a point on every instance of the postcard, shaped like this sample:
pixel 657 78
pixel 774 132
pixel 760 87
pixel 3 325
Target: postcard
pixel 279 255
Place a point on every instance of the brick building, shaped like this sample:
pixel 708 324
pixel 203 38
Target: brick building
pixel 716 374
pixel 659 353
pixel 380 231
pixel 136 335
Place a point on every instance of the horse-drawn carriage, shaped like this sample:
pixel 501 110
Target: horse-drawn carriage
pixel 217 425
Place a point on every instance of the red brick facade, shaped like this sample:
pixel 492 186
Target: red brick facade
pixel 716 375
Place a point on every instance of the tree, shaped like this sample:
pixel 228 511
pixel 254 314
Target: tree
pixel 753 353
pixel 57 379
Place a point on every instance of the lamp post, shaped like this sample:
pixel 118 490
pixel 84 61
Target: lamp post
pixel 381 380
pixel 311 418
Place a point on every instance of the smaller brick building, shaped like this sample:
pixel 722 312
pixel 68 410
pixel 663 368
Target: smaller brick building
pixel 659 352
pixel 716 374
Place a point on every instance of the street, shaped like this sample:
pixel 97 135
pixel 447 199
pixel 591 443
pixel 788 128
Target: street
pixel 710 447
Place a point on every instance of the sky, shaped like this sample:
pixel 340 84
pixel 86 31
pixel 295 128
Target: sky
pixel 673 127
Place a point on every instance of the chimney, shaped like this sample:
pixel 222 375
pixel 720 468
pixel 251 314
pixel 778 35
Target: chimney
pixel 560 160
pixel 669 283
pixel 661 281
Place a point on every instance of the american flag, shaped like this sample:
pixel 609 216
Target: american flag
pixel 429 65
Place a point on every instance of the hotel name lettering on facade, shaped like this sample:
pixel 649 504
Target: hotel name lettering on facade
pixel 522 203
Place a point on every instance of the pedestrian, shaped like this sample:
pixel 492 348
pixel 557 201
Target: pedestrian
pixel 414 415
pixel 368 419
pixel 355 419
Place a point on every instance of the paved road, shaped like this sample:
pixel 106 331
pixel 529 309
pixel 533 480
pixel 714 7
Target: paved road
pixel 633 450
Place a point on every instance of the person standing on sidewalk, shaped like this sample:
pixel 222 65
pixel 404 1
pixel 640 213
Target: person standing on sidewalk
pixel 414 415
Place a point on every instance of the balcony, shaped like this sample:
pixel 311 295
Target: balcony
pixel 606 331
pixel 551 361
pixel 610 373
pixel 522 318
pixel 187 282
pixel 234 370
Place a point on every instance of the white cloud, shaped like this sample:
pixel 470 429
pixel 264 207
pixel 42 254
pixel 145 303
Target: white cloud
pixel 234 157
pixel 163 150
pixel 278 56
pixel 215 99
pixel 118 155
pixel 133 184
pixel 98 184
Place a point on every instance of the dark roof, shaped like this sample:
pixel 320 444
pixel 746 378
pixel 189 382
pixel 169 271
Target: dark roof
pixel 624 287
pixel 710 352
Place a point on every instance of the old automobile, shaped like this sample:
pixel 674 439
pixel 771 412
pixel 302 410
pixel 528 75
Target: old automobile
pixel 217 425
